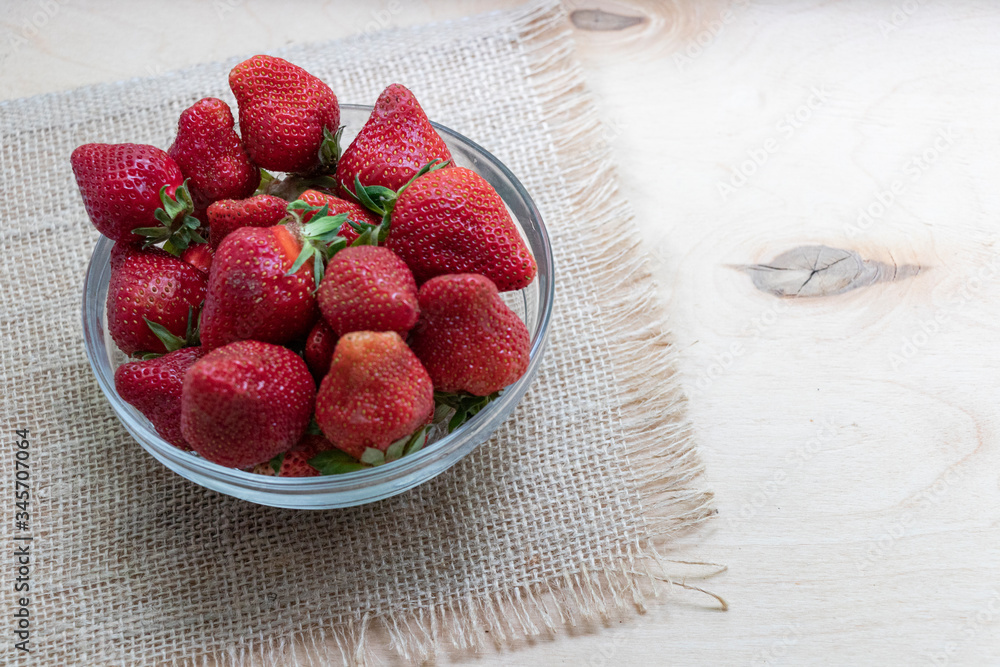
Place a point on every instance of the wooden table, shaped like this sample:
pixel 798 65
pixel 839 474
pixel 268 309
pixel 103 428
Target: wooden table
pixel 821 181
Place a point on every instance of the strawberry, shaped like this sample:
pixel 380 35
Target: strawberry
pixel 133 192
pixel 375 393
pixel 319 348
pixel 199 255
pixel 453 221
pixel 467 338
pixel 266 468
pixel 250 294
pixel 151 286
pixel 394 143
pixel 355 212
pixel 288 117
pixel 246 402
pixel 368 288
pixel 153 387
pixel 295 462
pixel 211 155
pixel 226 215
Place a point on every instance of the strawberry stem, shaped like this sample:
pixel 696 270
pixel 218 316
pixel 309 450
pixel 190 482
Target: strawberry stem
pixel 266 178
pixel 320 238
pixel 178 228
pixel 335 462
pixel 381 200
pixel 465 406
pixel 329 150
pixel 171 341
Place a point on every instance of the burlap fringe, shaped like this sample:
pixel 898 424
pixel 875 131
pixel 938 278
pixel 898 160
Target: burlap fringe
pixel 665 464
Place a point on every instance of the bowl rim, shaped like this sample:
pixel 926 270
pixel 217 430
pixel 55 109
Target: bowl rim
pixel 383 475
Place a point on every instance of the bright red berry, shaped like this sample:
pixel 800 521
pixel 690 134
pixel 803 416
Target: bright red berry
pixel 468 339
pixel 226 215
pixel 120 185
pixel 246 402
pixel 283 111
pixel 249 295
pixel 153 387
pixel 199 255
pixel 375 393
pixel 211 155
pixel 150 285
pixel 368 288
pixel 296 461
pixel 453 221
pixel 319 348
pixel 395 142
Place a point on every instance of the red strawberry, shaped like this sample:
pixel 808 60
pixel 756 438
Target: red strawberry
pixel 153 387
pixel 226 215
pixel 453 221
pixel 375 393
pixel 368 288
pixel 150 285
pixel 467 337
pixel 199 255
pixel 396 141
pixel 250 297
pixel 264 469
pixel 287 116
pixel 319 348
pixel 295 463
pixel 209 152
pixel 121 184
pixel 244 403
pixel 336 205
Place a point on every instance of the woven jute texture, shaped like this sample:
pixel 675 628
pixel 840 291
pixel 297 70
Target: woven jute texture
pixel 560 518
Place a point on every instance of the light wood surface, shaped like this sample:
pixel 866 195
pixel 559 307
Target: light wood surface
pixel 843 151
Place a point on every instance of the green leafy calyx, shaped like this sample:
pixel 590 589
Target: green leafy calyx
pixel 171 341
pixel 466 406
pixel 178 228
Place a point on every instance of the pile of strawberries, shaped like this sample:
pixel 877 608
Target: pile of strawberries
pixel 315 321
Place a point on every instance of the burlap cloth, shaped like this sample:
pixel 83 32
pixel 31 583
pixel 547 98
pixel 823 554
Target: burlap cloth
pixel 558 518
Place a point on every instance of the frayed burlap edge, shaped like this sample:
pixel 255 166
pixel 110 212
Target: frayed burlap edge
pixel 659 444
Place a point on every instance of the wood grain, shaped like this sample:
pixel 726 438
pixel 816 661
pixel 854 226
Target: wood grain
pixel 851 439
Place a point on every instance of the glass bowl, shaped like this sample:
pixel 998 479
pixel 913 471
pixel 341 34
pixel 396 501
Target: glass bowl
pixel 533 304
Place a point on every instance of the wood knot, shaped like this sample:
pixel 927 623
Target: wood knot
pixel 601 21
pixel 819 270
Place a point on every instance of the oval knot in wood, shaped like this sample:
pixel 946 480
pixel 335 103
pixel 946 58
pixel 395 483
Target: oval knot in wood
pixel 602 21
pixel 819 270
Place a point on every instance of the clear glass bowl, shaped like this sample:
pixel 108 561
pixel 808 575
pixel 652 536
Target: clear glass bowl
pixel 533 304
